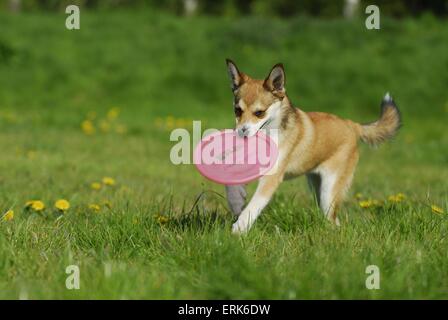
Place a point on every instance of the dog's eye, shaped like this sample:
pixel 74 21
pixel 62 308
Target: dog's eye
pixel 259 113
pixel 238 111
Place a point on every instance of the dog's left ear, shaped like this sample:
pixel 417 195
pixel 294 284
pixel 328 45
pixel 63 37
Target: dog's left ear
pixel 276 79
pixel 236 77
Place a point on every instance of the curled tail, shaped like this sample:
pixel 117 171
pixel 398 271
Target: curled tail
pixel 386 127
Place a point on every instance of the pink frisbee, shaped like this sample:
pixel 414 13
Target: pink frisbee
pixel 228 159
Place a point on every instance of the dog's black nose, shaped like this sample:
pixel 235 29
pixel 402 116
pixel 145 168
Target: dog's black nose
pixel 242 132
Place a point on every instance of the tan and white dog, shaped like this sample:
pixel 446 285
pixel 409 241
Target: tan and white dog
pixel 319 145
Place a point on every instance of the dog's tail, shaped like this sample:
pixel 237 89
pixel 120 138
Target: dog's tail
pixel 385 128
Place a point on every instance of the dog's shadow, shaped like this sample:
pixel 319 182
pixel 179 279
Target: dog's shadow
pixel 199 221
pixel 200 218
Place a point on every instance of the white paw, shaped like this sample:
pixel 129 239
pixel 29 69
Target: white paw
pixel 239 227
pixel 337 223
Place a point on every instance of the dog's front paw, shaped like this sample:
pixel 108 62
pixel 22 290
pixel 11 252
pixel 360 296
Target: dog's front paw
pixel 239 227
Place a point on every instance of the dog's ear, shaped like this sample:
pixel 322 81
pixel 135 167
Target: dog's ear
pixel 276 79
pixel 236 77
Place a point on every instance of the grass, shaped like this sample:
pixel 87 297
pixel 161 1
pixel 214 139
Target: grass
pixel 148 239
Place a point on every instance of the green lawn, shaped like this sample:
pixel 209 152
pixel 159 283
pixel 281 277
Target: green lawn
pixel 138 75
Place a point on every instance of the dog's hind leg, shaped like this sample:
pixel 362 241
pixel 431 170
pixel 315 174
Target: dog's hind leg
pixel 336 181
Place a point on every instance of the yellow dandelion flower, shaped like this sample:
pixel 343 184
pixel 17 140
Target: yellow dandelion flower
pixel 95 185
pixel 108 181
pixel 36 205
pixel 62 205
pixel 401 196
pixel 436 209
pixel 94 207
pixel 9 215
pixel 113 113
pixel 88 127
pixel 170 122
pixel 365 204
pixel 161 219
pixel 393 198
pixel 396 198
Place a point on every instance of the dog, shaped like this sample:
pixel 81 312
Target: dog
pixel 319 145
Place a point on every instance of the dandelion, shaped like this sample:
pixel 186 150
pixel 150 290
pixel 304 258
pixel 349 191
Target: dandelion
pixel 161 219
pixel 62 205
pixel 399 197
pixel 436 209
pixel 108 181
pixel 365 204
pixel 87 127
pixel 113 113
pixel 393 198
pixel 359 195
pixel 94 207
pixel 9 215
pixel 36 205
pixel 170 122
pixel 369 203
pixel 95 185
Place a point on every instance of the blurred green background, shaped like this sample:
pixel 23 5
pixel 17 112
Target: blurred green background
pixel 286 8
pixel 78 105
